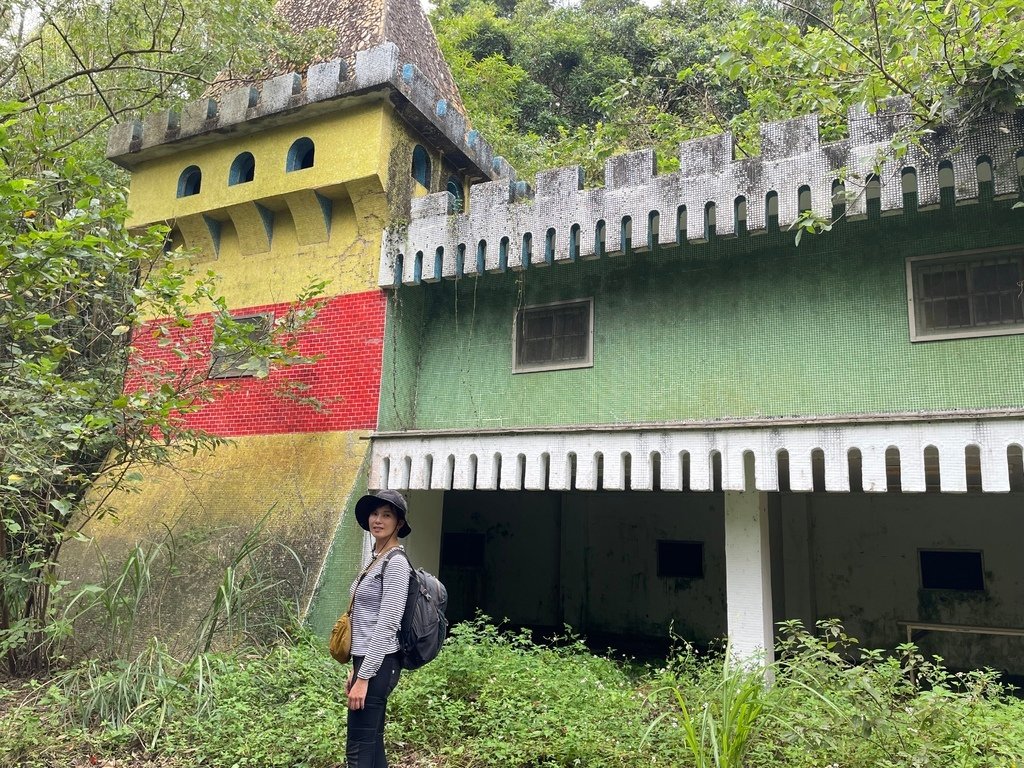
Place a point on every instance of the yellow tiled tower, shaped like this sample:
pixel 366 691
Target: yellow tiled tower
pixel 273 184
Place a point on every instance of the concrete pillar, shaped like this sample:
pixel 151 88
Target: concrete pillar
pixel 748 582
pixel 425 518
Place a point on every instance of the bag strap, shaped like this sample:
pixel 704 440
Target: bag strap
pixel 366 570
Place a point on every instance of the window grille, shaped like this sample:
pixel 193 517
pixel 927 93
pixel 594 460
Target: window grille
pixel 554 336
pixel 977 294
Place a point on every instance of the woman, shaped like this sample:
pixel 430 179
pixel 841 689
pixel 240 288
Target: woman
pixel 379 602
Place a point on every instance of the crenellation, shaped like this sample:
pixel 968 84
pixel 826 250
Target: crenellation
pixel 158 126
pixel 706 155
pixel 790 138
pixel 124 138
pixel 502 168
pixel 868 128
pixel 196 116
pixel 484 152
pixel 236 103
pixel 323 81
pixel 559 184
pixel 432 205
pixel 492 194
pixel 455 125
pixel 374 68
pixel 630 170
pixel 377 65
pixel 277 93
pixel 710 181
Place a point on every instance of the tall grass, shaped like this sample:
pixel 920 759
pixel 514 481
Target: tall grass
pixel 122 688
pixel 721 722
pixel 496 699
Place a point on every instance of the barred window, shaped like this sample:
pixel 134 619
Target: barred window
pixel 968 294
pixel 554 336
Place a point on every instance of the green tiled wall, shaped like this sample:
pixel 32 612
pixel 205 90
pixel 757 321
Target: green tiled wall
pixel 736 328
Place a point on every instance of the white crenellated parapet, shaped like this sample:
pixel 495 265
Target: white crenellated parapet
pixel 376 68
pixel 689 459
pixel 502 214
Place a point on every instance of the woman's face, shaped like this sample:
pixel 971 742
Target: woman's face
pixel 384 523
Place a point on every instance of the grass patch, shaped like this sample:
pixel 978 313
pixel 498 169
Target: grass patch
pixel 497 699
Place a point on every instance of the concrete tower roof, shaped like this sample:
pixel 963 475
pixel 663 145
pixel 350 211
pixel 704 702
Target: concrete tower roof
pixel 364 24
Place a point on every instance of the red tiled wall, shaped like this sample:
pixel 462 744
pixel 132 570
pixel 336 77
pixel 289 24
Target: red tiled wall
pixel 348 332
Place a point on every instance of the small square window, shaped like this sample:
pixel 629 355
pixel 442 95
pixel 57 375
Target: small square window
pixel 228 365
pixel 952 569
pixel 554 336
pixel 976 293
pixel 681 559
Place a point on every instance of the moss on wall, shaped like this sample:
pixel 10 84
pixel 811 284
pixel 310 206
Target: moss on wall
pixel 201 511
pixel 744 327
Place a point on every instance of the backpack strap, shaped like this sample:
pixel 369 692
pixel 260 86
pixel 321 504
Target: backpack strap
pixel 392 553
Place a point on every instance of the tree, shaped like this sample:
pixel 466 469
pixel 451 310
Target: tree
pixel 87 63
pixel 553 85
pixel 950 60
pixel 80 413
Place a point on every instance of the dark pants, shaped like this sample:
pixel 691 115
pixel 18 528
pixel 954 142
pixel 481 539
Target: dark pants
pixel 366 726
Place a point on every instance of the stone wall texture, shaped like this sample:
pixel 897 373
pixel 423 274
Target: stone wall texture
pixel 508 225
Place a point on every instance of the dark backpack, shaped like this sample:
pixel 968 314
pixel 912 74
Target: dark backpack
pixel 424 626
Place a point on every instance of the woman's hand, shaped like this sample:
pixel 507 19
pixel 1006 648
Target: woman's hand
pixel 357 693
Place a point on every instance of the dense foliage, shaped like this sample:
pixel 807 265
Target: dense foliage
pixel 498 700
pixel 554 84
pixel 76 285
pixel 88 64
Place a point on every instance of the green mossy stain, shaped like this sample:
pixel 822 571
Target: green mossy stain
pixel 751 326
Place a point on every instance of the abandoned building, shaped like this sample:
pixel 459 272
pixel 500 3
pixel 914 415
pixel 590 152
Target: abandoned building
pixel 629 408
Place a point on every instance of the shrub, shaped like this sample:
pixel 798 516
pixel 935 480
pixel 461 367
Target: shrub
pixel 496 698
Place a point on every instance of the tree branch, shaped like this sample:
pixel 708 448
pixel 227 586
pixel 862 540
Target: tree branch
pixel 878 64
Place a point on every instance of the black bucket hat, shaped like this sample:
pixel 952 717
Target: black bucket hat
pixel 371 501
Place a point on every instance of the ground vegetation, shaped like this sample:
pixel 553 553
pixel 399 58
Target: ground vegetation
pixel 495 699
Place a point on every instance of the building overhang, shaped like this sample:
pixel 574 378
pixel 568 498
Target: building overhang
pixel 911 455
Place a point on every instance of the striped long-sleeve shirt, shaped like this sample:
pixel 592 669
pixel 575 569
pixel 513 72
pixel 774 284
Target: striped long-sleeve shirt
pixel 377 611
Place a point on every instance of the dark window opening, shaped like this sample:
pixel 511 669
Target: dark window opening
pixel 421 166
pixel 462 550
pixel 190 182
pixel 243 169
pixel 681 559
pixel 952 569
pixel 553 336
pixel 301 155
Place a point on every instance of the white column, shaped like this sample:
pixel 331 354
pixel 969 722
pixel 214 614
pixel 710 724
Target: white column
pixel 748 583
